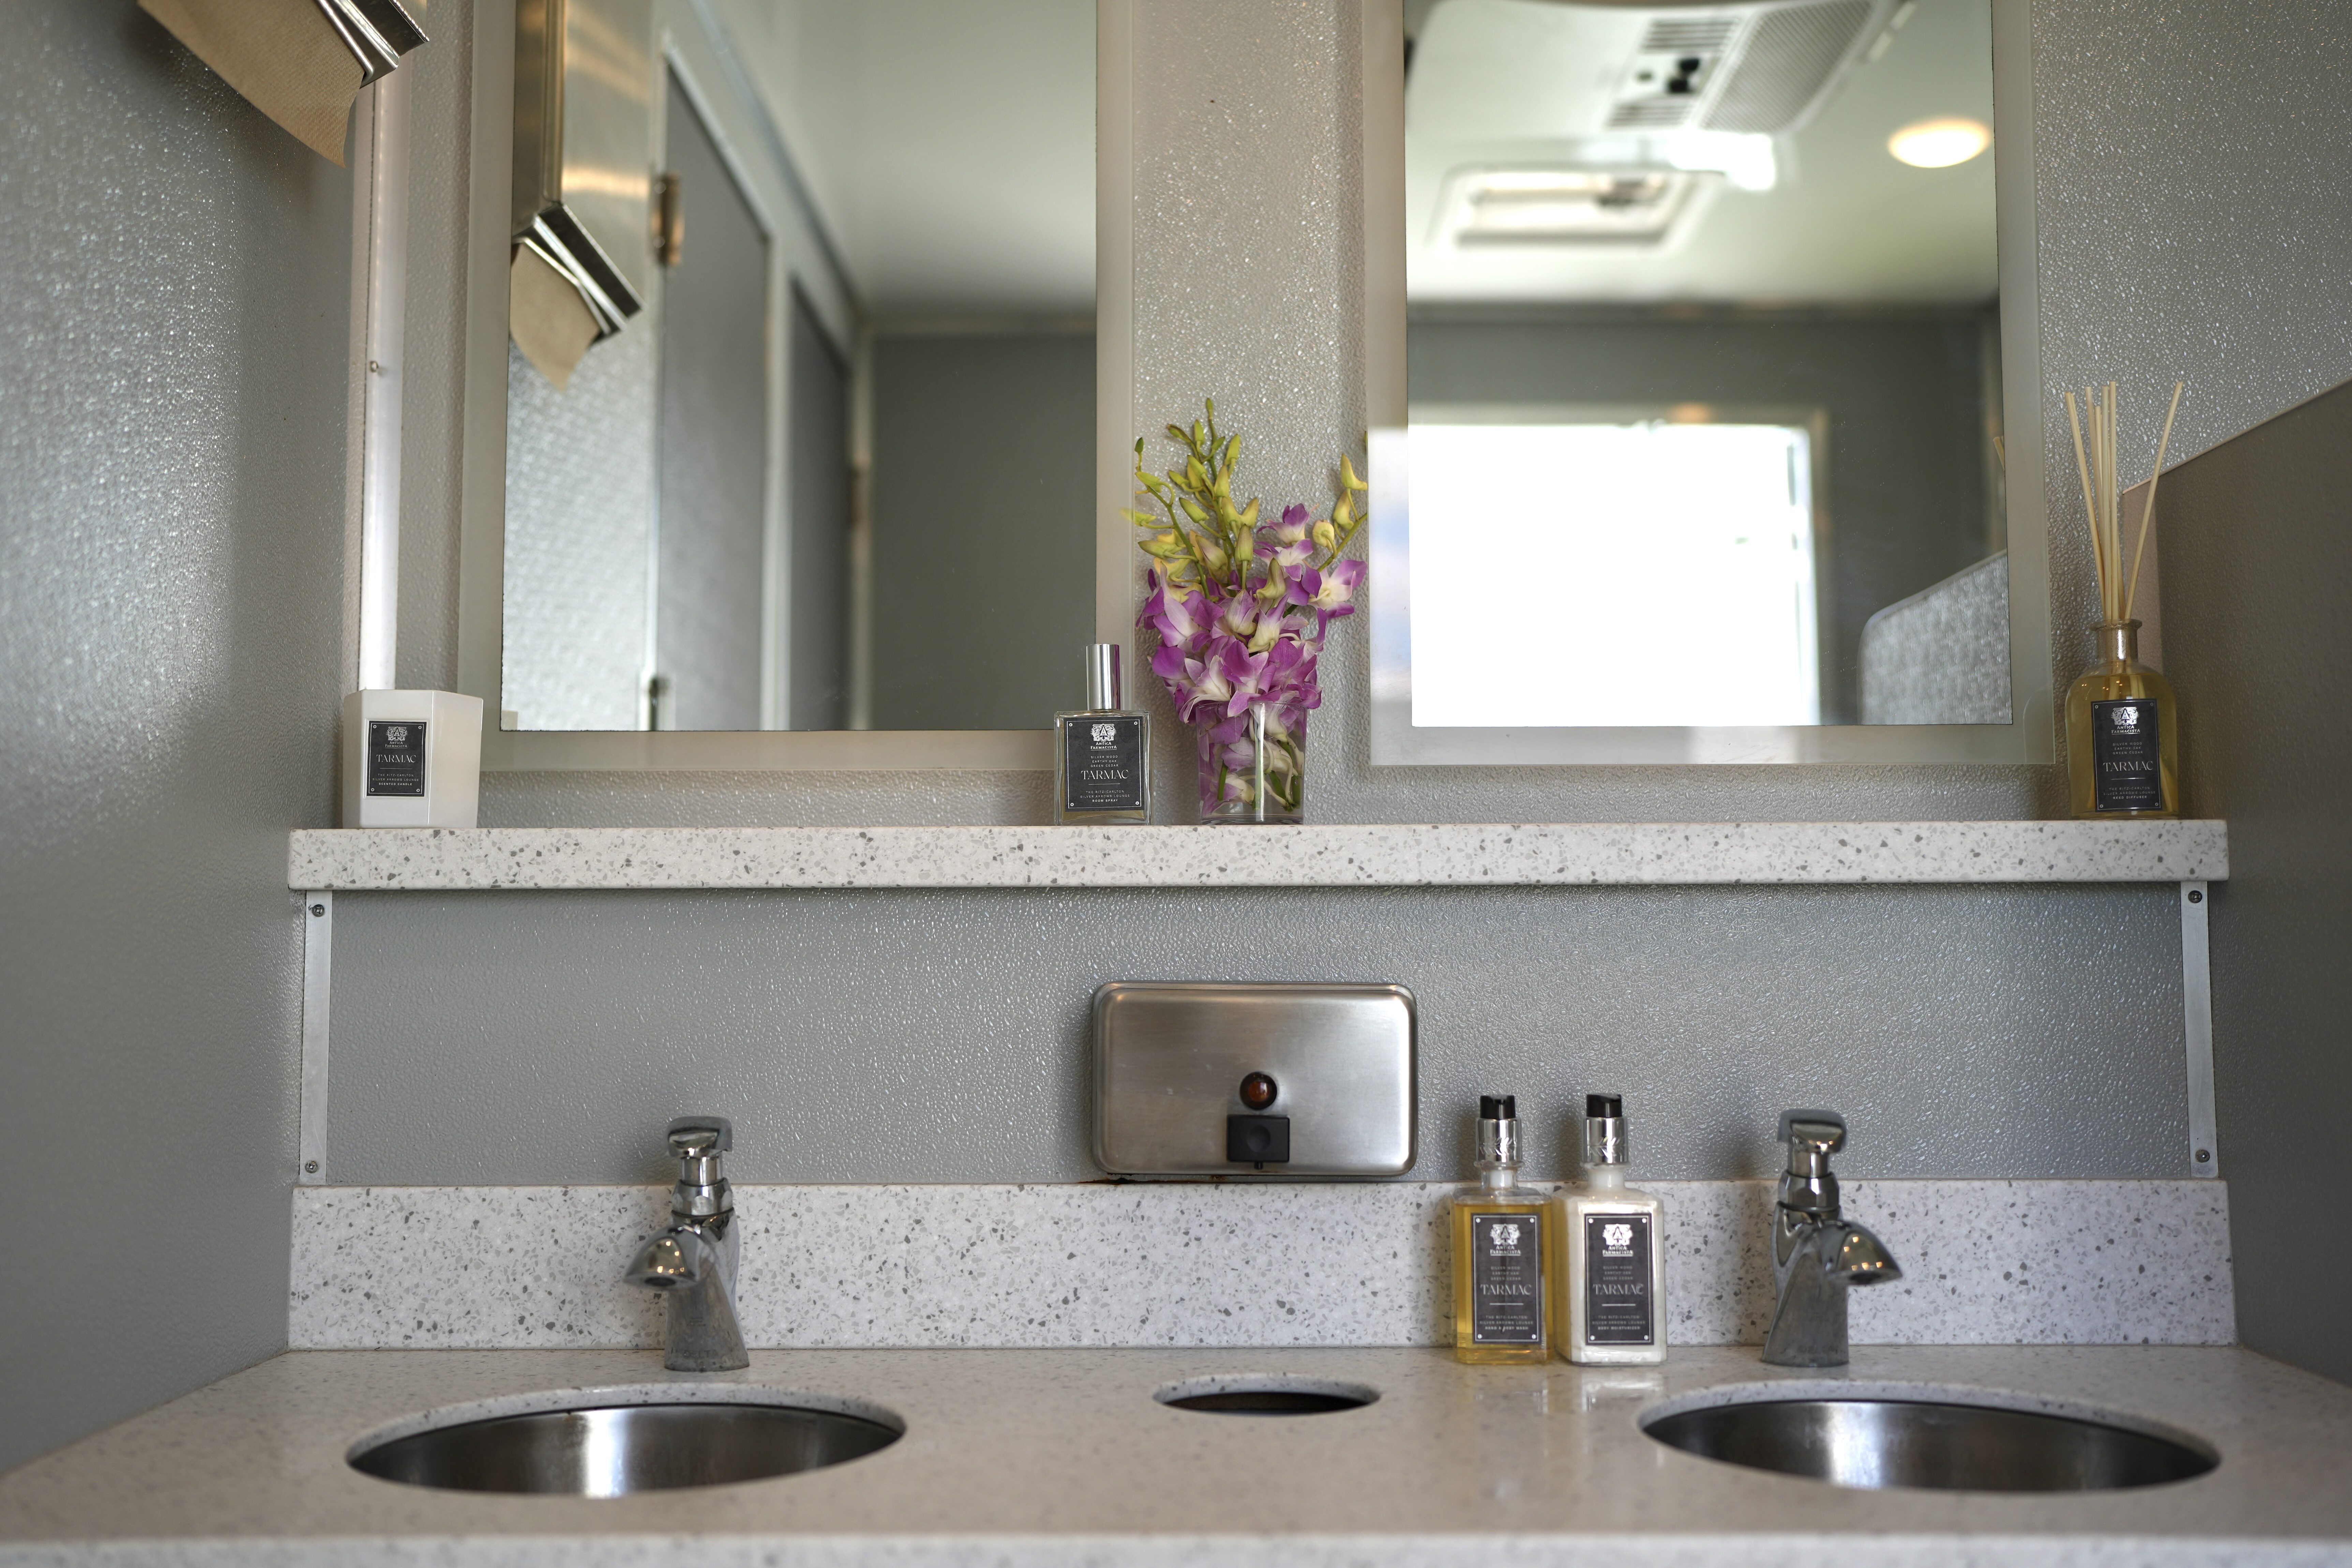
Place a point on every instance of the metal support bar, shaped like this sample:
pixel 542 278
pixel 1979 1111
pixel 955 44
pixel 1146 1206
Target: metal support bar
pixel 318 970
pixel 2197 1019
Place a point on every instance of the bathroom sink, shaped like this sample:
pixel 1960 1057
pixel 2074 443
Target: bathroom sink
pixel 612 1450
pixel 1929 1443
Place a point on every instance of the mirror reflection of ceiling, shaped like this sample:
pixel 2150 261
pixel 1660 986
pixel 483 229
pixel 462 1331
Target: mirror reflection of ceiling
pixel 948 145
pixel 1529 91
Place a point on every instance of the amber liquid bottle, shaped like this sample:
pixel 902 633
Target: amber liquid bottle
pixel 2123 733
pixel 1502 1246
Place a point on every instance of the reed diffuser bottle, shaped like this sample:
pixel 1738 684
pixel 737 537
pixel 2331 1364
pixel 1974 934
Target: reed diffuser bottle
pixel 1501 1242
pixel 2123 728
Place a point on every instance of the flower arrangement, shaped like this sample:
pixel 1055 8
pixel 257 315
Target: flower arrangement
pixel 1242 605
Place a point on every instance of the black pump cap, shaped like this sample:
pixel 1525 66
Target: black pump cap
pixel 1599 1105
pixel 1503 1109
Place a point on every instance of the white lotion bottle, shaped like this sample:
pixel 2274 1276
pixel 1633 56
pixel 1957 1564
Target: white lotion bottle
pixel 1610 1308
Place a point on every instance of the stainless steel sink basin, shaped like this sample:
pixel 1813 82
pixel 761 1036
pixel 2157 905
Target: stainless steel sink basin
pixel 1928 1443
pixel 612 1451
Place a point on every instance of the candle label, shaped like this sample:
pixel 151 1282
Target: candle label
pixel 1507 1304
pixel 1102 762
pixel 1617 1306
pixel 395 757
pixel 2124 741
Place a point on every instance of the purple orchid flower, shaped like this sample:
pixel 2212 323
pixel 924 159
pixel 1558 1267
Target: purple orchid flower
pixel 1180 615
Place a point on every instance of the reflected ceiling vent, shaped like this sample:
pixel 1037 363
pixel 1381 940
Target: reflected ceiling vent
pixel 1497 68
pixel 1790 57
pixel 1560 207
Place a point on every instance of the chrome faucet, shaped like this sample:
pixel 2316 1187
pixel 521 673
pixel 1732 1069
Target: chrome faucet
pixel 1816 1253
pixel 692 1263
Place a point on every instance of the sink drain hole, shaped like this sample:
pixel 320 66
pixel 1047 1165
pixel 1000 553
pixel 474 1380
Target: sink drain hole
pixel 1265 1395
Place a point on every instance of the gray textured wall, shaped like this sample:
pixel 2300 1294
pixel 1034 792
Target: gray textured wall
pixel 2170 246
pixel 175 277
pixel 2255 539
pixel 938 1036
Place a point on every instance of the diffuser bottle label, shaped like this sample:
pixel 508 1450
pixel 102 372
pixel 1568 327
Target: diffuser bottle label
pixel 1102 762
pixel 1617 1306
pixel 1506 1274
pixel 395 757
pixel 2124 748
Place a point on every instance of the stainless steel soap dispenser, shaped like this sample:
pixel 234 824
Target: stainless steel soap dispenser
pixel 1254 1081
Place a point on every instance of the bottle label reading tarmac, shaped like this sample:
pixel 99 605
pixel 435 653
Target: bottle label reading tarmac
pixel 1617 1306
pixel 1507 1305
pixel 2124 739
pixel 395 757
pixel 1102 764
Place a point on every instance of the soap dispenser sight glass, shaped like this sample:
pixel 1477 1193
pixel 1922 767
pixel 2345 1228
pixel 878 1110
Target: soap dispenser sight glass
pixel 1501 1237
pixel 693 1263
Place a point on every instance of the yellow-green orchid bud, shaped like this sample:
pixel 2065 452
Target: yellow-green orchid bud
pixel 1248 517
pixel 1326 536
pixel 1272 589
pixel 1195 476
pixel 1210 556
pixel 1165 546
pixel 1176 432
pixel 1199 435
pixel 1140 519
pixel 1268 629
pixel 1193 508
pixel 1344 514
pixel 1348 475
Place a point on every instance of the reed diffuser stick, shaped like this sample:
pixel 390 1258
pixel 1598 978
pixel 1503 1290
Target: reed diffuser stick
pixel 2147 509
pixel 2083 468
pixel 2097 426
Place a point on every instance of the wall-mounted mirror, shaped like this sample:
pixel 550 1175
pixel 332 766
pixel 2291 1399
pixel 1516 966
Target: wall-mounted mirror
pixel 837 473
pixel 1706 385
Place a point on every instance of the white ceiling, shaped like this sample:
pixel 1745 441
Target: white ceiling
pixel 1845 223
pixel 949 145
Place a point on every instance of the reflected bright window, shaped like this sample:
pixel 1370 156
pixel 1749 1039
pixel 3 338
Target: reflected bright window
pixel 1649 573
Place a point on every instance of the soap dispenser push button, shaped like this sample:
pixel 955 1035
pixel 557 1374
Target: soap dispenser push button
pixel 1258 1140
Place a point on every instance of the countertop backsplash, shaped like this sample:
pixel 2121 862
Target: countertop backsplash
pixel 1234 1263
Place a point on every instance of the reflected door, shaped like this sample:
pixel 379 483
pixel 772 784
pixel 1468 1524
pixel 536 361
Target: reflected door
pixel 714 666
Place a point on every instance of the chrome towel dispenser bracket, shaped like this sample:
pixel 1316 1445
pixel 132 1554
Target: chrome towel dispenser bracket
pixel 1197 1078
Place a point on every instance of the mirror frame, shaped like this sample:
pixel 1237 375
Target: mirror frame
pixel 482 526
pixel 2031 736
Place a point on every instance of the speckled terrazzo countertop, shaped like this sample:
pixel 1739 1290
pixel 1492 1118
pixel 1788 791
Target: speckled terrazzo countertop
pixel 1062 1457
pixel 1397 855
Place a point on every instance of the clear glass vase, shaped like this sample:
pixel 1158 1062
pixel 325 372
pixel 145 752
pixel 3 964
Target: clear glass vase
pixel 1253 766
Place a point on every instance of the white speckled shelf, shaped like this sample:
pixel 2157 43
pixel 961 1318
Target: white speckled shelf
pixel 1447 854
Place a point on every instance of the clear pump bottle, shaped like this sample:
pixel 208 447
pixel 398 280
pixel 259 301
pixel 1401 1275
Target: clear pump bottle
pixel 1102 754
pixel 1501 1239
pixel 1609 1295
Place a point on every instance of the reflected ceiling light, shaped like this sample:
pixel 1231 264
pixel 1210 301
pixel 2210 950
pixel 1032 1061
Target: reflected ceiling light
pixel 1940 143
pixel 1561 206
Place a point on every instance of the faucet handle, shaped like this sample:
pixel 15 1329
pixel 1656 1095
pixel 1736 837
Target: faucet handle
pixel 699 1137
pixel 1811 1131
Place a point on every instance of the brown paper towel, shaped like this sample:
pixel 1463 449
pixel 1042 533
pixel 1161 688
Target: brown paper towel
pixel 548 320
pixel 282 55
